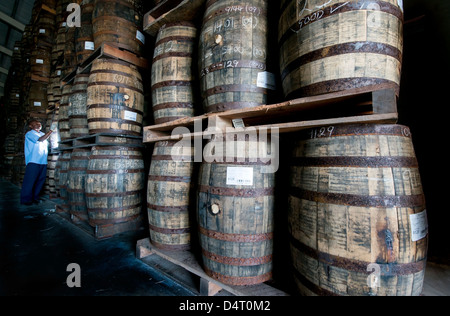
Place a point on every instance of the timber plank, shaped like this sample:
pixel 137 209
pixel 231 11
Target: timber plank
pixel 189 261
pixel 154 19
pixel 383 102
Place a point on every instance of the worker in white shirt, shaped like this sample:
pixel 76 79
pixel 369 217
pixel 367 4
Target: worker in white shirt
pixel 36 153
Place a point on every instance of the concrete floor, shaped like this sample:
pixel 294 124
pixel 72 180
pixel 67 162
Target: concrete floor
pixel 37 245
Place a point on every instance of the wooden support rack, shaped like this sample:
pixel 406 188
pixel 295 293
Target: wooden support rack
pixel 101 139
pixel 362 105
pixel 101 232
pixel 106 50
pixel 208 285
pixel 168 11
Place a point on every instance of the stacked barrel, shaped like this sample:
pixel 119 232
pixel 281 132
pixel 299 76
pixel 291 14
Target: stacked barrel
pixel 109 100
pixel 170 179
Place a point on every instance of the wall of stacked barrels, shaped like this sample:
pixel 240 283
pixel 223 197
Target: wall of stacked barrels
pixel 352 192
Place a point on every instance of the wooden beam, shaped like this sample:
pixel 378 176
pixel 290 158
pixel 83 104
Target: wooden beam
pixel 13 22
pixel 6 51
pixel 4 70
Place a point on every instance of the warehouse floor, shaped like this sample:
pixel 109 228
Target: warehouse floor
pixel 37 245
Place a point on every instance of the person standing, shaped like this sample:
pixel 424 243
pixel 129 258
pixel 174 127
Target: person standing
pixel 36 153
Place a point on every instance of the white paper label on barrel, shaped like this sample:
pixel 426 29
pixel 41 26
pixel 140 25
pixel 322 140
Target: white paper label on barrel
pixel 17 95
pixel 237 123
pixel 140 36
pixel 16 48
pixel 131 116
pixel 89 45
pixel 58 73
pixel 39 61
pixel 239 176
pixel 41 31
pixel 37 104
pixel 266 80
pixel 419 225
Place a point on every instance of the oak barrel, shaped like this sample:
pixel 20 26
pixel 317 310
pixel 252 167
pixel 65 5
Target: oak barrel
pixel 78 123
pixel 235 214
pixel 64 108
pixel 172 72
pixel 355 203
pixel 115 179
pixel 52 161
pixel 84 38
pixel 62 172
pixel 115 100
pixel 169 195
pixel 334 46
pixel 76 183
pixel 119 23
pixel 232 55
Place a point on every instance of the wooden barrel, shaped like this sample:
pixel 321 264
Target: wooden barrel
pixel 84 38
pixel 232 55
pixel 119 23
pixel 52 160
pixel 76 183
pixel 115 100
pixel 63 117
pixel 78 124
pixel 169 196
pixel 62 167
pixel 37 97
pixel 114 185
pixel 70 54
pixel 41 62
pixel 355 204
pixel 235 216
pixel 334 46
pixel 172 72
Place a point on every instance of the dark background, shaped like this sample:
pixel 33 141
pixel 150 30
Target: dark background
pixel 423 106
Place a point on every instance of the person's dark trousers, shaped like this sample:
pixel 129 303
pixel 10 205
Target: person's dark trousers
pixel 33 181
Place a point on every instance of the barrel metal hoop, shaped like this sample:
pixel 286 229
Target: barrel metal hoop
pixel 233 261
pixel 360 200
pixel 235 237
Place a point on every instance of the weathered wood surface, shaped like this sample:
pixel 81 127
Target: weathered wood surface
pixel 117 23
pixel 384 104
pixel 173 72
pixel 169 196
pixel 328 46
pixel 114 185
pixel 154 19
pixel 63 118
pixel 188 261
pixel 233 55
pixel 76 183
pixel 115 100
pixel 235 213
pixel 353 190
pixel 84 37
pixel 78 124
pixel 61 175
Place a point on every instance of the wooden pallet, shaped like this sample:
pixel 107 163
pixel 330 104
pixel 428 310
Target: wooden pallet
pixel 101 232
pixel 101 139
pixel 362 105
pixel 109 51
pixel 168 11
pixel 208 285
